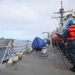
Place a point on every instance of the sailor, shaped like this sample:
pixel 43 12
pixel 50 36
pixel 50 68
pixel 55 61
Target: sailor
pixel 64 34
pixel 69 43
pixel 71 22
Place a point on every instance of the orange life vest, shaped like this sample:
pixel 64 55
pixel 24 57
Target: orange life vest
pixel 72 32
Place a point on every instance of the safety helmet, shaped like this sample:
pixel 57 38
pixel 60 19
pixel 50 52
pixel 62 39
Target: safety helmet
pixel 67 25
pixel 71 22
pixel 64 29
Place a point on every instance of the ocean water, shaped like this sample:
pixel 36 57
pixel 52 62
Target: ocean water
pixel 18 45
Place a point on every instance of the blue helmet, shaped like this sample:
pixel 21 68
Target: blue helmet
pixel 65 29
pixel 67 25
pixel 71 22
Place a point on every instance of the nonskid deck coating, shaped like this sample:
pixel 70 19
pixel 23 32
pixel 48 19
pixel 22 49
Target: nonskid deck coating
pixel 33 64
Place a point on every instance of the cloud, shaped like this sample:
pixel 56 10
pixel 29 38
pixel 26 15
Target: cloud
pixel 29 18
pixel 17 11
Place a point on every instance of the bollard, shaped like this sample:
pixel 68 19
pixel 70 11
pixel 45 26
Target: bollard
pixel 44 52
pixel 19 54
pixel 10 61
pixel 29 50
pixel 15 58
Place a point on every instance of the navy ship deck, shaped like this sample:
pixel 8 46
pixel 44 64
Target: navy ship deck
pixel 33 64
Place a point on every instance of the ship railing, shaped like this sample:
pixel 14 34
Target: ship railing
pixel 24 48
pixel 6 51
pixel 10 54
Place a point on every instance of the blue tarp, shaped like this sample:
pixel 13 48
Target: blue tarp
pixel 38 43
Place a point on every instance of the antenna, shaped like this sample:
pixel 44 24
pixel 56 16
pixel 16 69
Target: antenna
pixel 61 4
pixel 61 12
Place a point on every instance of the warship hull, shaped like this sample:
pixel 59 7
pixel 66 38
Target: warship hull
pixel 4 42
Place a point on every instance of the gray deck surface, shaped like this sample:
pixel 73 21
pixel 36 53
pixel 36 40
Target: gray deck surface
pixel 33 64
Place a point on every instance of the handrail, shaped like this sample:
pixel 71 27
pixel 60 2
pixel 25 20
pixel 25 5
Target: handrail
pixel 8 48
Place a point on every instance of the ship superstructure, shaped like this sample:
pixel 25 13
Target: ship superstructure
pixel 63 19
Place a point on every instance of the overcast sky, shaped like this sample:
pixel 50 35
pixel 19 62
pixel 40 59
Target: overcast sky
pixel 26 19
